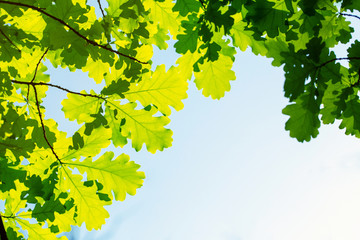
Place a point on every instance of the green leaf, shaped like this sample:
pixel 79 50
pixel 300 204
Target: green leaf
pixel 80 107
pixel 212 52
pixel 37 232
pixel 118 87
pixel 297 69
pixel 351 5
pixel 334 102
pixel 221 19
pixel 9 174
pixel 163 89
pixel 119 175
pixel 303 122
pixel 353 55
pixel 115 122
pixel 90 208
pixel 48 209
pixel 116 47
pixel 97 69
pixel 266 17
pixel 161 13
pixel 92 144
pixel 186 6
pixel 335 28
pixel 141 127
pixel 214 77
pixel 186 42
pixel 243 38
pixel 351 117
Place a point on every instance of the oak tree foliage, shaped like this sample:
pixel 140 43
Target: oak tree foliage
pixel 51 181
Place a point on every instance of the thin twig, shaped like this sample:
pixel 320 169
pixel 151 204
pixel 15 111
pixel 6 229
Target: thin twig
pixel 337 59
pixel 36 69
pixel 101 9
pixel 202 4
pixel 73 30
pixel 37 65
pixel 57 86
pixel 349 15
pixel 43 126
pixel 11 42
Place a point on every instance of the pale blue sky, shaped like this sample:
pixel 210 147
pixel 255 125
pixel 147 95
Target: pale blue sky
pixel 233 172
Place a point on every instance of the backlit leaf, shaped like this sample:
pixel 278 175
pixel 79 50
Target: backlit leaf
pixel 163 89
pixel 142 127
pixel 214 77
pixel 119 175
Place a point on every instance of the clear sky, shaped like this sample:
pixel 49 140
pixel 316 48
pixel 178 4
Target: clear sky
pixel 233 172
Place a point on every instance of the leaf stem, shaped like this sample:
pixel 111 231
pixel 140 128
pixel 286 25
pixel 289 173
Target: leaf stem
pixel 349 15
pixel 92 42
pixel 101 9
pixel 36 69
pixel 11 42
pixel 337 59
pixel 58 87
pixel 43 126
pixel 202 4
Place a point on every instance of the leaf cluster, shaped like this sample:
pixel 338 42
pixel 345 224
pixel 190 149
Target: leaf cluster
pixel 51 181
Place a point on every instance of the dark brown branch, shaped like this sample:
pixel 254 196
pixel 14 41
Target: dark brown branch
pixel 202 4
pixel 36 69
pixel 337 59
pixel 3 235
pixel 349 15
pixel 73 30
pixel 61 88
pixel 37 65
pixel 43 126
pixel 11 42
pixel 101 9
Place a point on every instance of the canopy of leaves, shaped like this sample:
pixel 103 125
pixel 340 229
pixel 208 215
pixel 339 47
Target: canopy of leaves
pixel 50 181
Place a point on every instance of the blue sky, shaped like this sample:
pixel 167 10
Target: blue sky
pixel 233 171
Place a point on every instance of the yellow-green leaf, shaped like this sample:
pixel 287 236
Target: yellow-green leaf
pixel 119 175
pixel 115 125
pixel 97 140
pixel 97 69
pixel 80 107
pixel 161 13
pixel 243 38
pixel 36 232
pixel 214 77
pixel 142 127
pixel 31 22
pixel 90 209
pixel 163 89
pixel 186 62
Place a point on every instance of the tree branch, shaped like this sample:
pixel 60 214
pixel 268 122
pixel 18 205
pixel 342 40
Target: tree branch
pixel 101 9
pixel 3 235
pixel 73 30
pixel 57 86
pixel 349 15
pixel 37 65
pixel 11 42
pixel 337 59
pixel 43 126
pixel 36 69
pixel 202 4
